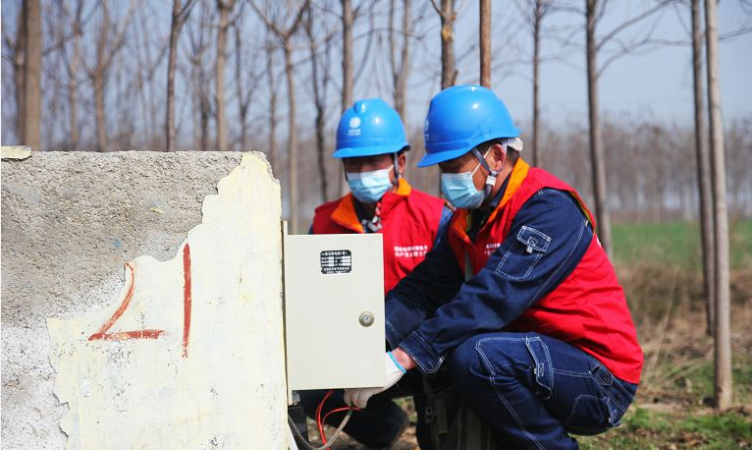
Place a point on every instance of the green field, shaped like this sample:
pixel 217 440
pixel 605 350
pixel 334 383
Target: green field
pixel 676 244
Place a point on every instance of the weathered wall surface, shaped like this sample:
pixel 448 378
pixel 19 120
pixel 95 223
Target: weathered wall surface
pixel 70 222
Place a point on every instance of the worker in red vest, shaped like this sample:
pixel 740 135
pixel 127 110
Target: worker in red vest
pixel 518 301
pixel 371 143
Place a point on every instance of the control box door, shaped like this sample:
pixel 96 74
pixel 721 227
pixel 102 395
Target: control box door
pixel 334 311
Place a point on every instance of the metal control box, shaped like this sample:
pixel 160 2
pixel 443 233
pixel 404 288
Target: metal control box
pixel 334 311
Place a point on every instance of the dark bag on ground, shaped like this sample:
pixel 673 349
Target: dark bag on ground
pixel 453 426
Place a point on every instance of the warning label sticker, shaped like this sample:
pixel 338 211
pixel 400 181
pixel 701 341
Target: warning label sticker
pixel 336 261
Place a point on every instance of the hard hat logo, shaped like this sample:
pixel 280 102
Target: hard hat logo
pixel 355 122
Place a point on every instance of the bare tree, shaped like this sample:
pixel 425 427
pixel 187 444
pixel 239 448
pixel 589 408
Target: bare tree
pixel 347 54
pixel 723 380
pixel 109 43
pixel 534 12
pixel 72 64
pixel 320 79
pixel 485 43
pixel 400 68
pixel 179 16
pixel 32 93
pixel 271 77
pixel 284 35
pixel 704 173
pixel 150 49
pixel 199 34
pixel 594 11
pixel 16 54
pixel 348 79
pixel 250 81
pixel 225 8
pixel 448 15
pixel 596 145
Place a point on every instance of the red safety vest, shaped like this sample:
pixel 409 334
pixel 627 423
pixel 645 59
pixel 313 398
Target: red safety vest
pixel 409 223
pixel 588 309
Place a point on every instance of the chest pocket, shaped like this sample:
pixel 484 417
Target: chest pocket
pixel 529 247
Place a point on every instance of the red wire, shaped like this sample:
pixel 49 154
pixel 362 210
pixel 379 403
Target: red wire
pixel 320 422
pixel 335 411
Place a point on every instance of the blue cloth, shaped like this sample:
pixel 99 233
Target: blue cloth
pixel 532 389
pixel 433 310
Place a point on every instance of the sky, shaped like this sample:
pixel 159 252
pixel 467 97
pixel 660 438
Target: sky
pixel 658 82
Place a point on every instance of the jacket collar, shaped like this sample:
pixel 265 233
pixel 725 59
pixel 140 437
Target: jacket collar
pixel 346 216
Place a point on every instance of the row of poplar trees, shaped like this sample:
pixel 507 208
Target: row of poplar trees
pixel 709 139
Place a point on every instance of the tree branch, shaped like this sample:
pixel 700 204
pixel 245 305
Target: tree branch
pixel 629 23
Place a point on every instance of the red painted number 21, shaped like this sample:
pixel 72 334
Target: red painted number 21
pixel 104 334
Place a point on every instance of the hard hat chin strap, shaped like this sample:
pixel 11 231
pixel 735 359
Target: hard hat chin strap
pixel 397 173
pixel 492 174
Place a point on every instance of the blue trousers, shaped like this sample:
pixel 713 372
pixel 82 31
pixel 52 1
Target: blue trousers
pixel 531 389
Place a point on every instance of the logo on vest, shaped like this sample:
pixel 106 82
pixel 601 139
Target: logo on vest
pixel 410 251
pixel 490 248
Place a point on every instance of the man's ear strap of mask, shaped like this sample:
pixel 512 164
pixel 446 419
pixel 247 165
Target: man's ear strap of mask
pixel 513 143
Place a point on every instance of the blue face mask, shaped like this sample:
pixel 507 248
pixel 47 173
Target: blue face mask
pixel 369 187
pixel 460 190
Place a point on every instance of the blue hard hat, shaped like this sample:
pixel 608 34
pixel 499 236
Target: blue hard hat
pixel 461 117
pixel 370 127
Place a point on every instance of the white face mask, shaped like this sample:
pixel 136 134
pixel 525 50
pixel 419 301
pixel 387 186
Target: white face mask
pixel 369 187
pixel 460 190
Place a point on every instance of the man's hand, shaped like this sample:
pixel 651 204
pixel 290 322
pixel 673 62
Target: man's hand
pixel 403 359
pixel 358 397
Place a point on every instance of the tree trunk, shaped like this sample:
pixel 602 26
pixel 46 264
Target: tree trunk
pixel 224 14
pixel 292 142
pixel 242 104
pixel 485 43
pixel 172 61
pixel 73 91
pixel 99 108
pixel 320 151
pixel 205 107
pixel 272 108
pixel 596 145
pixel 347 72
pixel 536 78
pixel 19 69
pixel 400 98
pixel 319 103
pixel 704 174
pixel 32 104
pixel 347 55
pixel 723 380
pixel 448 69
pixel 98 80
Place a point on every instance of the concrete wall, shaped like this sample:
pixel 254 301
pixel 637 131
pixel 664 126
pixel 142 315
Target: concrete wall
pixel 70 223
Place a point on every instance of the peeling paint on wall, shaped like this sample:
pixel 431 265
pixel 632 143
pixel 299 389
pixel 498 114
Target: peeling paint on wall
pixel 190 354
pixel 15 152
